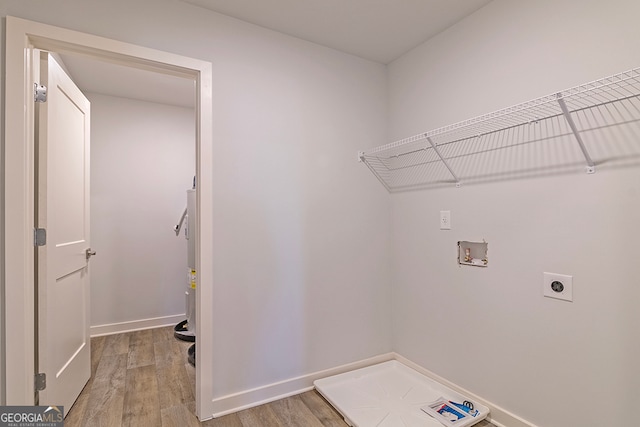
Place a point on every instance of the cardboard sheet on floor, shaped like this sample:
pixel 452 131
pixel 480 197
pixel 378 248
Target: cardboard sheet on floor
pixel 391 394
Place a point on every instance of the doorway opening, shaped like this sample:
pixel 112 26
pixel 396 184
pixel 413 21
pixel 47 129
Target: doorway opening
pixel 24 36
pixel 142 164
pixel 142 159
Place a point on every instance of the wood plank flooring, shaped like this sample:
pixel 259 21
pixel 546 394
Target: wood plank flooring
pixel 143 379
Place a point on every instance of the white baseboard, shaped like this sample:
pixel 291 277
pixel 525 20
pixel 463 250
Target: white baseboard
pixel 135 325
pixel 271 392
pixel 498 416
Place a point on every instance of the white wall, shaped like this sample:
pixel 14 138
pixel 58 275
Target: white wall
pixel 142 163
pixel 302 240
pixel 490 330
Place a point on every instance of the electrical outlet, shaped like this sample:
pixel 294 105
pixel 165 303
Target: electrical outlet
pixel 558 286
pixel 445 220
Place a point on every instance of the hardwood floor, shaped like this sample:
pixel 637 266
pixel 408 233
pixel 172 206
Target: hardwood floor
pixel 142 379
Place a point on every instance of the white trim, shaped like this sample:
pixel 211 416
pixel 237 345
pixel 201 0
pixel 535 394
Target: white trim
pixel 21 37
pixel 135 325
pixel 498 416
pixel 18 223
pixel 271 392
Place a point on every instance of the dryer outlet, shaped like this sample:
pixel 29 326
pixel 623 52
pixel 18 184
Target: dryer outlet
pixel 558 286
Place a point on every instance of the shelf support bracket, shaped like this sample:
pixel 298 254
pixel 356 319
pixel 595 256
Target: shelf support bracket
pixel 591 167
pixel 444 161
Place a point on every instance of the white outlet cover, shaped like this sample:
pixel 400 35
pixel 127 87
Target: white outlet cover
pixel 566 292
pixel 445 220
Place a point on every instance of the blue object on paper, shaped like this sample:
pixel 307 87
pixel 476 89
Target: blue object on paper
pixel 445 410
pixel 466 408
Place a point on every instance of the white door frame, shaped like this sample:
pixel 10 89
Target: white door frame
pixel 19 304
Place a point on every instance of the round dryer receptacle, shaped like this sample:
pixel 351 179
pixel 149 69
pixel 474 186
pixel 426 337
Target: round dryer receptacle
pixel 557 286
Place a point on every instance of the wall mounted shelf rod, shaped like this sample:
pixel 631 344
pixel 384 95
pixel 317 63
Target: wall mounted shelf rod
pixel 444 161
pixel 591 167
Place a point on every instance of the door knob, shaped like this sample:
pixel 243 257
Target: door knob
pixel 89 253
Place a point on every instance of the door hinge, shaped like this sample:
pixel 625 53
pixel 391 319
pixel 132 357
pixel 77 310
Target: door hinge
pixel 39 93
pixel 39 237
pixel 40 382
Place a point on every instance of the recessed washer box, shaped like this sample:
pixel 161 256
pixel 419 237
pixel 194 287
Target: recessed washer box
pixel 558 286
pixel 473 253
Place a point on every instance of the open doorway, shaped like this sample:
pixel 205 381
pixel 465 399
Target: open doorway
pixel 142 164
pixel 19 169
pixel 140 159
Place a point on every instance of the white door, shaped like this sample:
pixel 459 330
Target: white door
pixel 62 206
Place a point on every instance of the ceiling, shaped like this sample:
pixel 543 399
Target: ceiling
pixel 92 75
pixel 378 30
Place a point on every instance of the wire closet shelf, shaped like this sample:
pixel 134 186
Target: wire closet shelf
pixel 442 156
